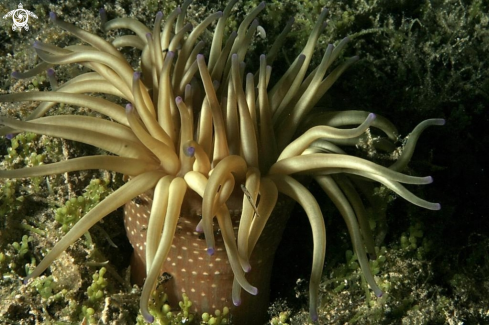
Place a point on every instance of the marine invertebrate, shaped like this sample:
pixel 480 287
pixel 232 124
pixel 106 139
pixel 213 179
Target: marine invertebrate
pixel 201 141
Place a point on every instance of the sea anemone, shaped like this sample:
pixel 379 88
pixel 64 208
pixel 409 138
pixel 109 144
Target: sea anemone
pixel 200 141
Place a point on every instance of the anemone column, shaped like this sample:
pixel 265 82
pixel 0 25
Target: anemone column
pixel 208 279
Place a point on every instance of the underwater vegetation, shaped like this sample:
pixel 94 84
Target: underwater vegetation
pixel 118 181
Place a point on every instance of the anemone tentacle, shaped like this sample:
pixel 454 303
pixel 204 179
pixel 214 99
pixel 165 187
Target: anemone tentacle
pixel 138 185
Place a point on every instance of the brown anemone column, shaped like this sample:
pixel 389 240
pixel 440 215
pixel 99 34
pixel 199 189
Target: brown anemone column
pixel 208 279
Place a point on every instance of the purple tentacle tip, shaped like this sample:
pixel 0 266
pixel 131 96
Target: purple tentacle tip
pixel 379 294
pixel 199 229
pixel 190 151
pixel 15 74
pixel 52 16
pixel 159 14
pixel 149 318
pixel 237 302
pixel 314 316
pixel 103 17
pixel 10 136
pixel 51 72
pixel 178 100
pixel 210 251
pixel 128 108
pixel 136 75
pixel 254 292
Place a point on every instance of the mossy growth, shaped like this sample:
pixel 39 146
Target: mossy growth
pixel 21 147
pixel 410 241
pixel 14 260
pixel 77 207
pixel 95 293
pixel 164 314
pixel 281 319
pixel 219 318
pixel 162 311
pixel 406 273
pixel 25 150
pixel 9 201
pixel 350 274
pixel 48 289
pixel 37 82
pixel 17 260
pixel 21 153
